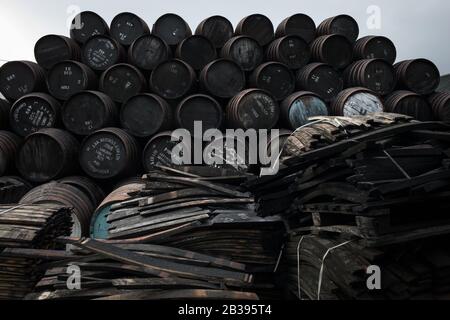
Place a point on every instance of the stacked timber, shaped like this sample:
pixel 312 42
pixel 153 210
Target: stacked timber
pixel 364 194
pixel 331 268
pixel 200 209
pixel 366 176
pixel 79 193
pixel 139 272
pixel 27 227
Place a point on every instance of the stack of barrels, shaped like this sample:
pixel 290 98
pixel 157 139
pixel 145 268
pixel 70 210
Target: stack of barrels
pixel 103 102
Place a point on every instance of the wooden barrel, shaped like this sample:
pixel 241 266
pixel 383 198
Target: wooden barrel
pixel 201 108
pixel 148 51
pixel 440 104
pixel 126 27
pixel 87 186
pixel 173 79
pixel 222 78
pixel 258 27
pixel 99 222
pixel 34 112
pixel 291 50
pixel 197 51
pixel 216 29
pixel 274 77
pixel 356 102
pixel 321 79
pixel 145 115
pixel 158 151
pixel 9 148
pixel 420 76
pixel 410 104
pixel 5 108
pixel 334 50
pixel 109 153
pixel 245 51
pixel 89 111
pixel 172 29
pixel 48 154
pixel 342 24
pixel 300 106
pixel 87 24
pixel 52 49
pixel 68 196
pixel 375 47
pixel 12 189
pixel 19 78
pixel 298 25
pixel 374 74
pixel 122 81
pixel 102 52
pixel 69 77
pixel 253 109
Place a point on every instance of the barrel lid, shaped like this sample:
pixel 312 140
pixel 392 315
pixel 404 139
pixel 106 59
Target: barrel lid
pixel 197 51
pixel 275 78
pixel 293 51
pixel 66 78
pixel 34 161
pixel 33 112
pixel 143 115
pixel 245 51
pixel 217 29
pixel 87 24
pixel 256 109
pixel 171 28
pixel 158 151
pixel 257 26
pixel 52 48
pixel 148 51
pixel 199 108
pixel 362 102
pixel 99 224
pixel 223 78
pixel 298 24
pixel 337 50
pixel 101 52
pixel 422 76
pixel 345 25
pixel 303 107
pixel 122 81
pixel 85 112
pixel 103 155
pixel 172 79
pixel 17 79
pixel 126 27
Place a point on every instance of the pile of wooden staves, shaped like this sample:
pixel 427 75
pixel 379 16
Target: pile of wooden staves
pixel 204 211
pixel 26 227
pixel 139 272
pixel 201 209
pixel 330 268
pixel 387 181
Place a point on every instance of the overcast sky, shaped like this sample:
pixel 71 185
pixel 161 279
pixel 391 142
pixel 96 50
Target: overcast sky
pixel 419 28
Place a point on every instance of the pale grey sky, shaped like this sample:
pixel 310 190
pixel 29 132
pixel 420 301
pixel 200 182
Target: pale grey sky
pixel 419 28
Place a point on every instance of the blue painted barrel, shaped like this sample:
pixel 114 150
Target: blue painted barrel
pixel 99 222
pixel 300 106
